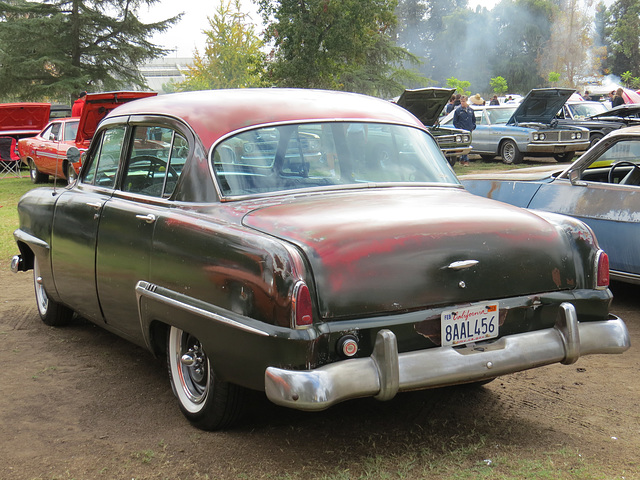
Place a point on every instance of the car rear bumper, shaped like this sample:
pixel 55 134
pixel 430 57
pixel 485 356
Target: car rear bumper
pixel 386 372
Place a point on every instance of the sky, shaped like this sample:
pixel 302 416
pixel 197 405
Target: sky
pixel 184 37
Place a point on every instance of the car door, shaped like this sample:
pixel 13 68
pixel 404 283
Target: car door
pixel 612 210
pixel 75 225
pixel 150 172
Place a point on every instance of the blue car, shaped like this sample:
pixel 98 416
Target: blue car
pixel 601 188
pixel 528 129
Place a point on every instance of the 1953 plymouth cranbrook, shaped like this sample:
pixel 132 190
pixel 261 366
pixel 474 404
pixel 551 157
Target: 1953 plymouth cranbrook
pixel 259 240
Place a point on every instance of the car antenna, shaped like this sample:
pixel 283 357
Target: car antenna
pixel 55 181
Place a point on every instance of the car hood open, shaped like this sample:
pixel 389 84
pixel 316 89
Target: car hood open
pixel 23 118
pixel 540 105
pixel 394 250
pixel 425 103
pixel 97 106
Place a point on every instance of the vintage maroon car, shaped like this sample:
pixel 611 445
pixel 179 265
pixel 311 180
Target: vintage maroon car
pixel 46 153
pixel 258 240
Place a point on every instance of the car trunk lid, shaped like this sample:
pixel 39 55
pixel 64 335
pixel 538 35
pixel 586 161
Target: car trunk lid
pixel 97 106
pixel 23 118
pixel 394 250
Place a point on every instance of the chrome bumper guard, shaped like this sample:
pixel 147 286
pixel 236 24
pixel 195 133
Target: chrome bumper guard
pixel 386 372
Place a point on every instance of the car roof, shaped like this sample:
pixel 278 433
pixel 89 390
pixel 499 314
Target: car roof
pixel 216 113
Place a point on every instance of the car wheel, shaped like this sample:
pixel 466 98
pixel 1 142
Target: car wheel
pixel 452 160
pixel 207 402
pixel 34 173
pixel 564 157
pixel 510 153
pixel 51 312
pixel 593 139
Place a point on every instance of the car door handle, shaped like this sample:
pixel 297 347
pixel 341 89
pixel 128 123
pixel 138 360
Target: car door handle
pixel 95 205
pixel 147 218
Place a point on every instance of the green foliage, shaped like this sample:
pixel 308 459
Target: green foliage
pixel 53 50
pixel 621 36
pixel 553 77
pixel 499 85
pixel 232 56
pixel 626 78
pixel 336 44
pixel 460 85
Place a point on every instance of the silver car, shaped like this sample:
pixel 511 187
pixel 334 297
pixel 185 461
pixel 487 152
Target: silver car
pixel 526 129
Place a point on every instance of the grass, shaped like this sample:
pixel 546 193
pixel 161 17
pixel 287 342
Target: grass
pixel 11 189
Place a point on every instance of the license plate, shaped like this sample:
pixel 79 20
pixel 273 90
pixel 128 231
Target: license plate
pixel 469 324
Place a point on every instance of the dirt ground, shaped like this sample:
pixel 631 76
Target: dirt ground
pixel 78 402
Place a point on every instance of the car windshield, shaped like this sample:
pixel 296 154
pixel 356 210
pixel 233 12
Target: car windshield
pixel 289 157
pixel 500 115
pixel 583 110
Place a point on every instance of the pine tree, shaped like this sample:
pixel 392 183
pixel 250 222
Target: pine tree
pixel 55 49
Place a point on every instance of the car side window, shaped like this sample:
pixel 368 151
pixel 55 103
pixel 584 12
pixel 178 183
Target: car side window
pixel 55 133
pixel 103 168
pixel 156 159
pixel 70 130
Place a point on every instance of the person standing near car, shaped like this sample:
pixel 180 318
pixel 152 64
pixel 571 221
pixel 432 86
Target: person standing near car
pixel 76 109
pixel 617 99
pixel 465 118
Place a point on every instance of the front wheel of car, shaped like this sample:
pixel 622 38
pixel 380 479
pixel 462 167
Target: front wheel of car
pixel 51 312
pixel 564 157
pixel 35 174
pixel 595 138
pixel 452 160
pixel 206 401
pixel 510 153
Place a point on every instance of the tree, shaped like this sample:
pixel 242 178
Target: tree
pixel 622 32
pixel 568 51
pixel 232 56
pixel 499 85
pixel 55 49
pixel 460 85
pixel 336 44
pixel 523 27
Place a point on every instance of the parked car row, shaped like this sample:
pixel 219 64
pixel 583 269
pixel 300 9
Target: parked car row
pixel 47 153
pixel 526 129
pixel 259 240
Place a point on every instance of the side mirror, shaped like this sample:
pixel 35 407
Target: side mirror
pixel 574 178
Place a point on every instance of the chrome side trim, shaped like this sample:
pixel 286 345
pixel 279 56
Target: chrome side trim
pixel 22 236
pixel 624 277
pixel 149 290
pixel 374 376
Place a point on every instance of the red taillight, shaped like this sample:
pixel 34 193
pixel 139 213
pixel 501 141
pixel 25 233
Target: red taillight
pixel 603 270
pixel 302 311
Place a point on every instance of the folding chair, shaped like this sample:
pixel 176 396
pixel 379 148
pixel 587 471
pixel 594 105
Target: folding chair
pixel 9 158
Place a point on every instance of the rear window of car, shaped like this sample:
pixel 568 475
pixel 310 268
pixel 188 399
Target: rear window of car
pixel 289 157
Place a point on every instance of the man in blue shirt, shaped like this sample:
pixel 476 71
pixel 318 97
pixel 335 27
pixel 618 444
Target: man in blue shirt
pixel 464 117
